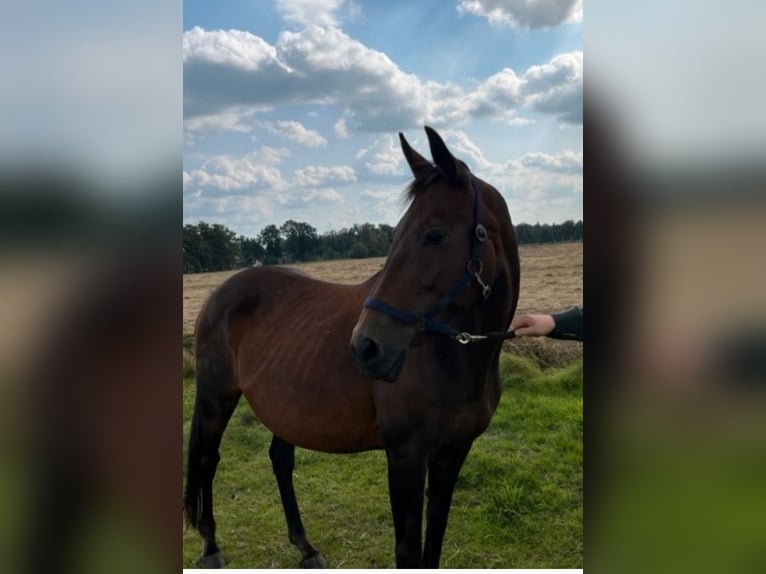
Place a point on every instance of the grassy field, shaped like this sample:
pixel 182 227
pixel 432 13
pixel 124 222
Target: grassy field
pixel 518 501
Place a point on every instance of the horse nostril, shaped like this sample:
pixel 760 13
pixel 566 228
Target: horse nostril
pixel 368 350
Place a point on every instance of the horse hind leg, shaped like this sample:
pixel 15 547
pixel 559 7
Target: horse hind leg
pixel 282 455
pixel 216 399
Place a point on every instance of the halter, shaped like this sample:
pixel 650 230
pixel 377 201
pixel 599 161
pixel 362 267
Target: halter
pixel 473 269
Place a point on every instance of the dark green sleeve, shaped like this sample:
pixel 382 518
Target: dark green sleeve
pixel 568 325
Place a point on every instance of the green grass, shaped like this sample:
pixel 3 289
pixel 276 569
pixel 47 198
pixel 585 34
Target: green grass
pixel 517 503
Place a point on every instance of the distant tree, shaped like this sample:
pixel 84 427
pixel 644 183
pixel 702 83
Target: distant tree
pixel 340 242
pixel 300 240
pixel 194 250
pixel 387 234
pixel 271 242
pixel 565 231
pixel 250 251
pixel 209 248
pixel 370 236
pixel 548 233
pixel 221 244
pixel 358 251
pixel 328 254
pixel 329 246
pixel 578 234
pixel 215 247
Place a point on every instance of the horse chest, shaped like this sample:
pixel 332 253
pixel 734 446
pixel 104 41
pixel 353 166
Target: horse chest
pixel 472 420
pixel 471 412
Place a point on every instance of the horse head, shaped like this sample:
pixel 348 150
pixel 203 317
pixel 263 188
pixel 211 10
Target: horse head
pixel 451 250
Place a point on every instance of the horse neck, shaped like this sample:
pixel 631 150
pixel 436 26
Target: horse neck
pixel 495 313
pixel 508 268
pixel 367 285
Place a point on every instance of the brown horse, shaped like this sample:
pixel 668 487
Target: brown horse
pixel 406 385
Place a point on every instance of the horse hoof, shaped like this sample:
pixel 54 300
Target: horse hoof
pixel 315 561
pixel 212 561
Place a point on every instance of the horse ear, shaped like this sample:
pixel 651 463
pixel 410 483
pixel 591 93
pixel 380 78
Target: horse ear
pixel 442 156
pixel 418 164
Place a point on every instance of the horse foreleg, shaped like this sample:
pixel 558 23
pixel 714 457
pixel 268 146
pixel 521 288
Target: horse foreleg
pixel 282 456
pixel 406 480
pixel 443 471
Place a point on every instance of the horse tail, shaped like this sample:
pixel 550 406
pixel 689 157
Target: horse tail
pixel 193 492
pixel 216 398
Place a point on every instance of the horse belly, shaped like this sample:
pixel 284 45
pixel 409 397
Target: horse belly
pixel 315 400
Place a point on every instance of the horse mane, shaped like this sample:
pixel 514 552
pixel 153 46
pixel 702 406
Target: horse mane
pixel 424 180
pixel 418 184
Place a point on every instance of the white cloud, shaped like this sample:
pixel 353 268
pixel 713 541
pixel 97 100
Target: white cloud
pixel 296 132
pixel 339 69
pixel 384 157
pixel 565 200
pixel 226 174
pixel 272 155
pixel 381 195
pixel 230 47
pixel 317 175
pixel 324 66
pixel 527 182
pixel 532 14
pixel 248 192
pixel 340 128
pixel 497 95
pixel 230 77
pixel 519 121
pixel 316 65
pixel 319 12
pixel 236 119
pixel 227 209
pixel 464 148
pixel 566 161
pixel 255 170
pixel 298 199
pixel 326 195
pixel 537 176
pixel 556 87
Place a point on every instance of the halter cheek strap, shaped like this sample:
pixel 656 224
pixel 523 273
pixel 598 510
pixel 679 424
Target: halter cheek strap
pixel 473 269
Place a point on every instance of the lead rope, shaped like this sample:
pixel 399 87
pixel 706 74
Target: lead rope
pixel 465 338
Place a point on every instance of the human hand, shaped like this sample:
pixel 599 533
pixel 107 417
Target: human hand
pixel 532 325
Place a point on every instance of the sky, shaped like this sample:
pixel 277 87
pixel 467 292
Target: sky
pixel 292 107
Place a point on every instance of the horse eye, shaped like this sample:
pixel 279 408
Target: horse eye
pixel 434 237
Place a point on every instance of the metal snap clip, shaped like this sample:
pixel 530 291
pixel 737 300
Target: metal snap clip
pixel 474 266
pixel 463 338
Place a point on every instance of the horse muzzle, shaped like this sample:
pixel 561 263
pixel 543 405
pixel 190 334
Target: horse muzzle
pixel 377 360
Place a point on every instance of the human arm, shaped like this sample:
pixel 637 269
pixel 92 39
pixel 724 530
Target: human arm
pixel 568 324
pixel 565 325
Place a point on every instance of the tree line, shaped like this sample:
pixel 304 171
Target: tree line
pixel 215 247
pixel 549 232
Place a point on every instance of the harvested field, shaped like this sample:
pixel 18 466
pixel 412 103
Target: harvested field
pixel 551 280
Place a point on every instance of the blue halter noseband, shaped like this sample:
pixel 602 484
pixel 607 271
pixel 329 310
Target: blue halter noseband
pixel 426 321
